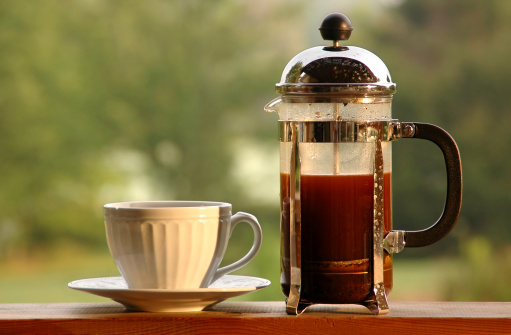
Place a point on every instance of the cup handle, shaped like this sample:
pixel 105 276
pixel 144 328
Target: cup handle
pixel 258 239
pixel 452 205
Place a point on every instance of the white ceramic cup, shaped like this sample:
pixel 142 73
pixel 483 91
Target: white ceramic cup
pixel 174 244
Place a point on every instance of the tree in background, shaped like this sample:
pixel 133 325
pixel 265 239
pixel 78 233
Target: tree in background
pixel 119 101
pixel 123 100
pixel 451 62
pixel 126 100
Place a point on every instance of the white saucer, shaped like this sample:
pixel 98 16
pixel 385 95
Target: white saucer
pixel 157 300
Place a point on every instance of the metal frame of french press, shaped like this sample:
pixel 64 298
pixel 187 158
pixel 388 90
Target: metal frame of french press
pixel 337 27
pixel 298 132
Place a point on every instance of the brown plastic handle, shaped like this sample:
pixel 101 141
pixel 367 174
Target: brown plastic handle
pixel 452 207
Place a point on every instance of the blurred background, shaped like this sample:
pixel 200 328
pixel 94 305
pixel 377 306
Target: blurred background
pixel 106 101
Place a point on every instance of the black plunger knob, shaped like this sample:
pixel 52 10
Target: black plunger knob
pixel 336 27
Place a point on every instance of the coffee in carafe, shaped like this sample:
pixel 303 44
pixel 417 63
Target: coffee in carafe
pixel 336 130
pixel 333 206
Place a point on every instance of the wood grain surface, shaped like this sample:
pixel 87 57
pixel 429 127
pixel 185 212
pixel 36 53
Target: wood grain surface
pixel 258 318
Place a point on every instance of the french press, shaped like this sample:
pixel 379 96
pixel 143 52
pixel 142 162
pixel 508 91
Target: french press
pixel 336 130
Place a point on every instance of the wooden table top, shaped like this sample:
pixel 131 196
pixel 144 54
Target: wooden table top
pixel 259 318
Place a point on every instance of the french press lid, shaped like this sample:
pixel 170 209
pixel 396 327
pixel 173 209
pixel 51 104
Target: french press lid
pixel 337 68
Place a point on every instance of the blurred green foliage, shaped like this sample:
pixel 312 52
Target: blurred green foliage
pixel 481 274
pixel 118 100
pixel 104 101
pixel 451 60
